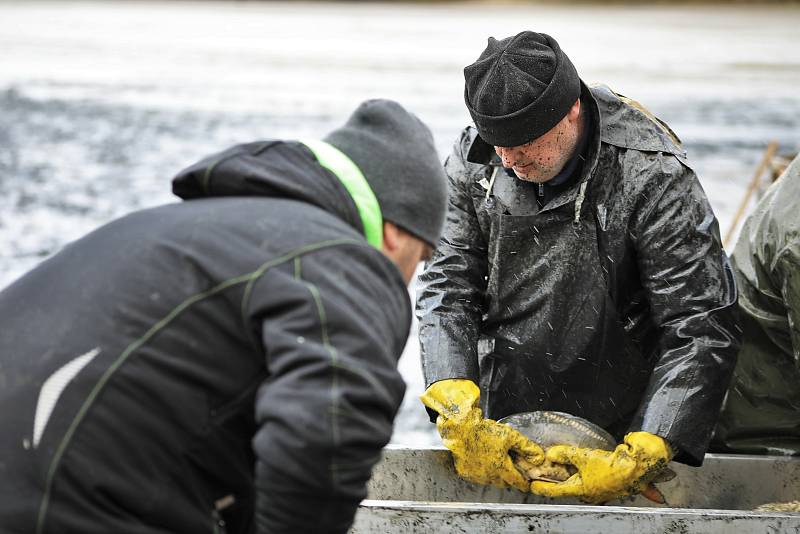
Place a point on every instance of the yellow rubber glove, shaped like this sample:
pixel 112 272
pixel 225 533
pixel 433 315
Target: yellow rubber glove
pixel 606 475
pixel 479 446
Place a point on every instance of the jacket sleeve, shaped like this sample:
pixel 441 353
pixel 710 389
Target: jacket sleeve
pixel 786 224
pixel 692 296
pixel 452 286
pixel 333 325
pixel 788 267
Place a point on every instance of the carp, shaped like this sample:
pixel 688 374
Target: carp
pixel 558 428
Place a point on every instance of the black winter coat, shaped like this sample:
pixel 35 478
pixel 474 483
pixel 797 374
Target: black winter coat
pixel 226 364
pixel 614 301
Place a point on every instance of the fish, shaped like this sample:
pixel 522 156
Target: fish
pixel 548 428
pixel 558 428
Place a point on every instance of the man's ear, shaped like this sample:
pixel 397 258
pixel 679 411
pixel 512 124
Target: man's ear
pixel 575 110
pixel 391 237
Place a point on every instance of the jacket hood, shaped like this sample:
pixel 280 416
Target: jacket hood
pixel 276 169
pixel 626 123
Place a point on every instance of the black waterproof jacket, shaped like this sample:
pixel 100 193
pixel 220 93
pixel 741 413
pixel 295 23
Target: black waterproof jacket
pixel 614 301
pixel 226 364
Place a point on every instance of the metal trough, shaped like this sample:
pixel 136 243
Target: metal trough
pixel 417 490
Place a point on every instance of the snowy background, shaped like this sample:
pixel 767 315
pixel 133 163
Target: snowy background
pixel 101 103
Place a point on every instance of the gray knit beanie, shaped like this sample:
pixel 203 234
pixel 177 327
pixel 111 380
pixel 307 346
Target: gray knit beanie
pixel 396 154
pixel 519 88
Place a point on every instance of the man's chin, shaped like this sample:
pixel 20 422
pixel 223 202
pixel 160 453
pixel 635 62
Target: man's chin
pixel 528 177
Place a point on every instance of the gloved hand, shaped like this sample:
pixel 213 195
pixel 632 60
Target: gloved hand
pixel 605 475
pixel 480 446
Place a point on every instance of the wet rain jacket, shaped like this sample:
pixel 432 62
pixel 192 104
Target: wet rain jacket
pixel 613 302
pixel 225 364
pixel 761 414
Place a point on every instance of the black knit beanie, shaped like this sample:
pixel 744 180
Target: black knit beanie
pixel 396 153
pixel 519 88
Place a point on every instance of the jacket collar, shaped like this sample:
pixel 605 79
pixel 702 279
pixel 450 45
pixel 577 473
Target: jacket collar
pixel 356 184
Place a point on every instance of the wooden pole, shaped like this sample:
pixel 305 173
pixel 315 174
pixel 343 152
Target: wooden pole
pixel 769 153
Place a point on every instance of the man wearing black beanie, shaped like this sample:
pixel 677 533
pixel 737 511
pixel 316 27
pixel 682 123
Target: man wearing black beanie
pixel 580 270
pixel 227 363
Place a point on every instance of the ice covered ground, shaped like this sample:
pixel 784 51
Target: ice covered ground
pixel 100 103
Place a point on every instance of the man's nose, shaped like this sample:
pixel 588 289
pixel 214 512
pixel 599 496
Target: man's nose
pixel 507 155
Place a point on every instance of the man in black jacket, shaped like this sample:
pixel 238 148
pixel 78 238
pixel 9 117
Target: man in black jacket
pixel 225 364
pixel 580 270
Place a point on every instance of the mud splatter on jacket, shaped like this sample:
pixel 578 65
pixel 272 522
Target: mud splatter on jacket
pixel 227 359
pixel 614 301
